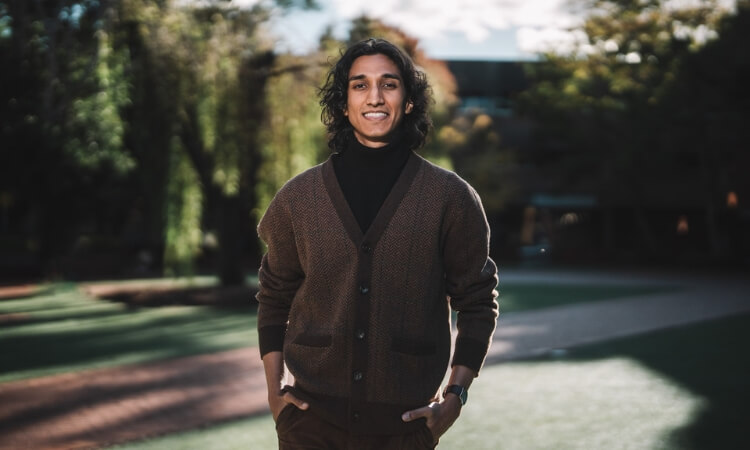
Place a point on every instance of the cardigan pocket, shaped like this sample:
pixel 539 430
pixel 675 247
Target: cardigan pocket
pixel 313 340
pixel 414 347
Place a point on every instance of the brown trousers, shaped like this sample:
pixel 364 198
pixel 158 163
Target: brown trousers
pixel 303 430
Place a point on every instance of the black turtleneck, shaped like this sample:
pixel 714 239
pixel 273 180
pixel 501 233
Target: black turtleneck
pixel 366 176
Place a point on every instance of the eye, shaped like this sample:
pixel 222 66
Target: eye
pixel 358 86
pixel 390 85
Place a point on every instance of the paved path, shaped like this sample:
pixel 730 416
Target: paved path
pixel 697 298
pixel 96 408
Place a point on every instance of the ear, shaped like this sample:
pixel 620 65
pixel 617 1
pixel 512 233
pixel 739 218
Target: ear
pixel 409 107
pixel 346 111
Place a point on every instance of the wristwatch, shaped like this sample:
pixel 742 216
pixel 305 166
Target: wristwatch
pixel 459 390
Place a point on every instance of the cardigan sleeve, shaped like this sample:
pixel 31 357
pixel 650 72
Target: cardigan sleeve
pixel 280 274
pixel 471 277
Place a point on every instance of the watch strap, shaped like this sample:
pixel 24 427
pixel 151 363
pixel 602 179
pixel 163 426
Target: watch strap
pixel 458 390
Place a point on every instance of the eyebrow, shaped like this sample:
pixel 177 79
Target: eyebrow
pixel 385 75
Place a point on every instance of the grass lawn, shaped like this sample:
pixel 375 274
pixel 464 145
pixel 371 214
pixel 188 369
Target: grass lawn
pixel 680 388
pixel 63 330
pixel 528 296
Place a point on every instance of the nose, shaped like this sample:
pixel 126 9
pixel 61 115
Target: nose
pixel 375 96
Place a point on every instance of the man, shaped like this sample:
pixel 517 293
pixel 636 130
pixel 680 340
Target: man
pixel 363 252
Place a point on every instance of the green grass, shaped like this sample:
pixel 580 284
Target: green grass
pixel 64 330
pixel 710 361
pixel 680 388
pixel 528 296
pixel 257 433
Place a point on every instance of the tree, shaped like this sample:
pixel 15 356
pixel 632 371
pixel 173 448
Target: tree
pixel 219 66
pixel 293 137
pixel 597 109
pixel 61 92
pixel 703 122
pixel 137 120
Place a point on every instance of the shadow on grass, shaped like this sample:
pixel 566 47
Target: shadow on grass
pixel 68 330
pixel 708 359
pixel 242 297
pixel 123 419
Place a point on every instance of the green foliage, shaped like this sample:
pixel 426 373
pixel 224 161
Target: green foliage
pixel 474 144
pixel 96 125
pixel 293 138
pixel 216 61
pixel 217 57
pixel 603 95
pixel 183 215
pixel 63 89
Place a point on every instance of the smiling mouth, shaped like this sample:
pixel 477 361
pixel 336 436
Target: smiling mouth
pixel 375 115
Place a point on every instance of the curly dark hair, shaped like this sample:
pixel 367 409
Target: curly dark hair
pixel 333 95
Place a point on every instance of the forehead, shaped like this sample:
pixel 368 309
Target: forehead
pixel 373 66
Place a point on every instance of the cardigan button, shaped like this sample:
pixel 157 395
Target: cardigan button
pixel 360 334
pixel 364 289
pixel 358 376
pixel 355 416
pixel 366 248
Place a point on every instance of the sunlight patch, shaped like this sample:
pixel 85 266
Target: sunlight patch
pixel 611 403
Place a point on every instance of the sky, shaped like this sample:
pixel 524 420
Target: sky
pixel 465 29
pixel 448 29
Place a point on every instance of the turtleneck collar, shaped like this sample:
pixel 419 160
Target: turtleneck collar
pixel 356 152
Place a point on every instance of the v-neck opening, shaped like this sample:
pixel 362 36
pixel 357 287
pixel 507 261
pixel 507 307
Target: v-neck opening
pixel 386 211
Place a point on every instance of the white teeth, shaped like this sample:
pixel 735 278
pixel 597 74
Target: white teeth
pixel 375 115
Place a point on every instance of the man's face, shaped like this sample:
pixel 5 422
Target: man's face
pixel 375 99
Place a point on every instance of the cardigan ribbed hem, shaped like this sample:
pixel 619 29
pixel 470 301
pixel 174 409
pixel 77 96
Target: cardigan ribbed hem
pixel 271 339
pixel 470 353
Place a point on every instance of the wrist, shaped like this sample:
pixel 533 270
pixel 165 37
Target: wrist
pixel 277 391
pixel 452 400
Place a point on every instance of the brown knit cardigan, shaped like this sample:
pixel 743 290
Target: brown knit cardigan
pixel 364 319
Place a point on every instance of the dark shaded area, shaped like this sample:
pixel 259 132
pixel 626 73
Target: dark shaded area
pixel 642 162
pixel 709 360
pixel 217 297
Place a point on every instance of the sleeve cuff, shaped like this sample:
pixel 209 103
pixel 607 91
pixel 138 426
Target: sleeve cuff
pixel 271 339
pixel 470 353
